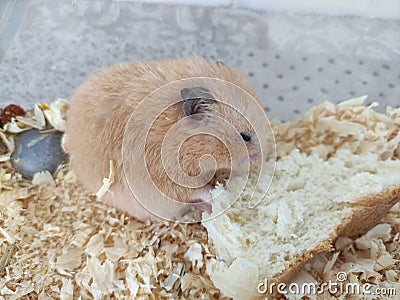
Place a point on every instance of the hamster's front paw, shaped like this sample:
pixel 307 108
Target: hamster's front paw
pixel 201 205
pixel 200 202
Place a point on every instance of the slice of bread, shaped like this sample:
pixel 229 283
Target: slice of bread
pixel 340 182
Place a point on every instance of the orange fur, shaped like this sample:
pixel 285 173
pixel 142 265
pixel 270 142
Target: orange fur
pixel 102 106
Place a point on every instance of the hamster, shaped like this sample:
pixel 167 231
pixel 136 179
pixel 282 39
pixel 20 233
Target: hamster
pixel 96 130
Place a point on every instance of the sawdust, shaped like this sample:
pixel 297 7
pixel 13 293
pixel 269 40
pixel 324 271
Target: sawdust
pixel 68 244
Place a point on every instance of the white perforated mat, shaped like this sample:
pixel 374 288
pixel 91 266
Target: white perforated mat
pixel 295 61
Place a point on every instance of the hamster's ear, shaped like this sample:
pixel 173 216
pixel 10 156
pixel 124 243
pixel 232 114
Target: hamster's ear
pixel 196 100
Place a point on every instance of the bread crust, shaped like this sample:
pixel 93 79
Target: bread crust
pixel 368 210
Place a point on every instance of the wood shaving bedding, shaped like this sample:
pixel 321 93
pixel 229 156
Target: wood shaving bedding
pixel 349 125
pixel 69 245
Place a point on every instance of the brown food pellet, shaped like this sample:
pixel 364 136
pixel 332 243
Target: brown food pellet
pixel 11 111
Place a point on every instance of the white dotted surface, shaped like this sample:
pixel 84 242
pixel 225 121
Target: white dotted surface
pixel 294 61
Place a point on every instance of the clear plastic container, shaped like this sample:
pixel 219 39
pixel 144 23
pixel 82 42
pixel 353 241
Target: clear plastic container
pixel 295 60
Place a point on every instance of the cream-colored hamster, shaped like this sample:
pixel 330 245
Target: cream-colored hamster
pixel 102 106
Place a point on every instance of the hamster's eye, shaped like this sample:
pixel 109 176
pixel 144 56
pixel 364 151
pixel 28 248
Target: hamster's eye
pixel 245 136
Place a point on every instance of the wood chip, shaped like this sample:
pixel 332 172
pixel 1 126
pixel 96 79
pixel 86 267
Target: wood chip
pixel 6 257
pixel 107 182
